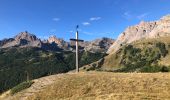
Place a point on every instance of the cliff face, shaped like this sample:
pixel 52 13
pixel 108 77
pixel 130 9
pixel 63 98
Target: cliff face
pixel 23 39
pixel 60 42
pixel 144 30
pixel 99 45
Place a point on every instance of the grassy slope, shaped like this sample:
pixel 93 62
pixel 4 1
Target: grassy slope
pixel 99 85
pixel 166 40
pixel 112 63
pixel 18 63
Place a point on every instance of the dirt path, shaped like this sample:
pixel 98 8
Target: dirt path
pixel 39 85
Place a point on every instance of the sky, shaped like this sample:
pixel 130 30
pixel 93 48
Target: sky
pixel 96 18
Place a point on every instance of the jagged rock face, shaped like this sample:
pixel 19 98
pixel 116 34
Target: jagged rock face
pixel 23 39
pixel 144 30
pixel 26 36
pixel 60 42
pixel 99 45
pixel 4 41
pixel 56 40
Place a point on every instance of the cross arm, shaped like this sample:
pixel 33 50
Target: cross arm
pixel 77 40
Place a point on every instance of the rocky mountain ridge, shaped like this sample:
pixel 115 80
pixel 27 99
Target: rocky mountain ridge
pixel 99 45
pixel 26 39
pixel 143 30
pixel 23 39
pixel 60 42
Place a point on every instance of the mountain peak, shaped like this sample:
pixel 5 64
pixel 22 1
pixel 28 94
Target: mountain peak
pixel 142 22
pixel 143 30
pixel 27 36
pixel 56 40
pixel 23 39
pixel 167 17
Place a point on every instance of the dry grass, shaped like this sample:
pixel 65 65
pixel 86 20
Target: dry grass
pixel 104 86
pixel 111 62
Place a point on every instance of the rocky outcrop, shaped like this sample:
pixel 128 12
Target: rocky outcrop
pixel 23 39
pixel 60 42
pixel 26 36
pixel 99 45
pixel 144 30
pixel 4 41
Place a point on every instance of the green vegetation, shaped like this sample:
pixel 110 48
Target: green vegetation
pixel 162 48
pixel 87 57
pixel 21 87
pixel 165 69
pixel 143 59
pixel 154 69
pixel 18 64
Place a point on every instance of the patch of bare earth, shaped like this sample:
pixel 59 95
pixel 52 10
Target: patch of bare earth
pixel 99 86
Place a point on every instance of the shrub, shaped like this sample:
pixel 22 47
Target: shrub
pixel 21 87
pixel 164 69
pixel 162 48
pixel 169 46
pixel 150 69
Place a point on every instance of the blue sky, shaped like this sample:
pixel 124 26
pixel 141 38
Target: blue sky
pixel 96 18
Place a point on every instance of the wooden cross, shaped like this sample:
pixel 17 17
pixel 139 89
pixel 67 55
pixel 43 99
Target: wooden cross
pixel 77 48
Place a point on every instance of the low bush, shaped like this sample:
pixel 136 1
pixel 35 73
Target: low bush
pixel 165 69
pixel 21 87
pixel 156 68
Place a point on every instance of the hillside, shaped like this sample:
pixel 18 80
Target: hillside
pixel 143 30
pixel 151 51
pixel 97 86
pixel 140 48
pixel 149 55
pixel 18 64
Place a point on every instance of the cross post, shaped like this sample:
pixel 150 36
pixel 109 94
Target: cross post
pixel 77 48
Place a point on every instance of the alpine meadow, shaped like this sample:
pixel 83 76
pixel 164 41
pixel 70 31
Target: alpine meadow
pixel 84 50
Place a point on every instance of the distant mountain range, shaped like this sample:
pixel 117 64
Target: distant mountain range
pixel 26 39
